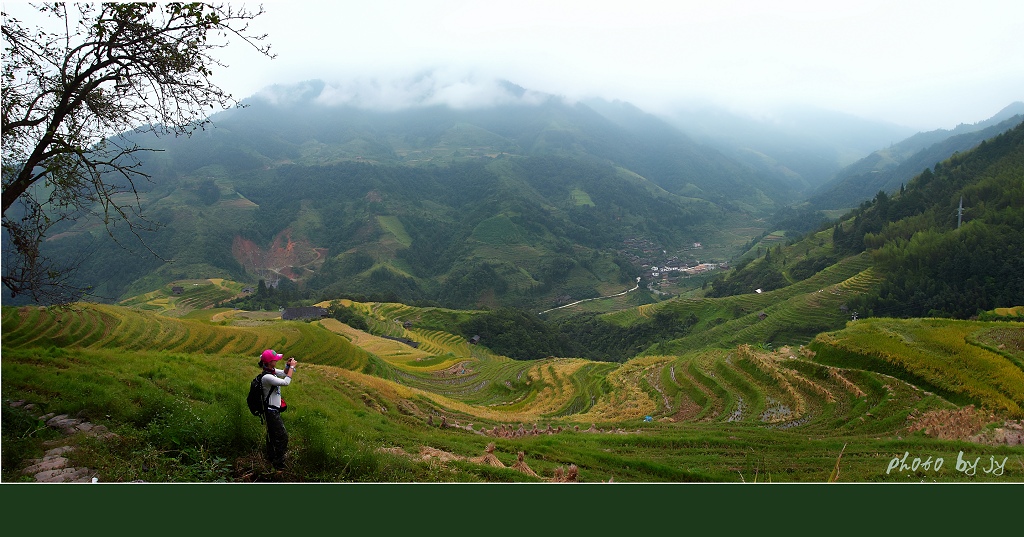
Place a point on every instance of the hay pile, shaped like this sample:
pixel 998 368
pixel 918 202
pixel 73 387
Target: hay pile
pixel 489 458
pixel 563 476
pixel 427 453
pixel 522 467
pixel 960 424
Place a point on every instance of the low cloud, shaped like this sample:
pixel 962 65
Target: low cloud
pixel 423 89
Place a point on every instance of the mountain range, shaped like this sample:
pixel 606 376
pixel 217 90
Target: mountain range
pixel 889 168
pixel 806 145
pixel 531 200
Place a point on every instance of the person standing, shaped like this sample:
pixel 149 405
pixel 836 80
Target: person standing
pixel 277 435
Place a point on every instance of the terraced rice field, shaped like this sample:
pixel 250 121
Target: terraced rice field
pixel 788 316
pixel 744 384
pixel 194 295
pixel 938 354
pixel 844 385
pixel 97 326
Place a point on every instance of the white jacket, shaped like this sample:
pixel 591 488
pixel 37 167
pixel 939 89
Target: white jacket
pixel 272 385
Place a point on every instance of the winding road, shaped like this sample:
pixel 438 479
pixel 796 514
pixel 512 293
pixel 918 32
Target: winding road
pixel 595 298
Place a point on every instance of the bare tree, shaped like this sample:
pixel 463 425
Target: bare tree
pixel 72 99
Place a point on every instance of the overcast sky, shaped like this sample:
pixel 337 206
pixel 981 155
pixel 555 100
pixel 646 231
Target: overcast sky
pixel 920 63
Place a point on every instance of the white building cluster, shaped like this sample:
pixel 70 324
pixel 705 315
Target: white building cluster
pixel 657 272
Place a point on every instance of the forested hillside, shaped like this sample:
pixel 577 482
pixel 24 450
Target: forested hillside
pixel 526 204
pixel 533 204
pixel 936 261
pixel 888 168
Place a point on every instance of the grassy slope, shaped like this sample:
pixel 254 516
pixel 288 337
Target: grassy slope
pixel 173 389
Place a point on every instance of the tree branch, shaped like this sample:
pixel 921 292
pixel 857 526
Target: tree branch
pixel 70 95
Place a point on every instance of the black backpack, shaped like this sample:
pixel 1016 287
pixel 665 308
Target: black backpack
pixel 257 403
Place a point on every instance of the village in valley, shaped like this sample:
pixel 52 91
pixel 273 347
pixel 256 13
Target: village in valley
pixel 663 271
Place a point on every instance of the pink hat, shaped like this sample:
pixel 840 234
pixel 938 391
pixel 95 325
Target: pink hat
pixel 270 356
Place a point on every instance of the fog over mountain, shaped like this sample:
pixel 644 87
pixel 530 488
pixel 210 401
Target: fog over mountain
pixel 808 144
pixel 805 146
pixel 423 89
pixel 918 63
pixel 921 64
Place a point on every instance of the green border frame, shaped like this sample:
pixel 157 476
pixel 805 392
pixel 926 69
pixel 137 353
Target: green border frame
pixel 499 508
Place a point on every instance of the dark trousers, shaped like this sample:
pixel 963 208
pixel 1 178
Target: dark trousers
pixel 277 439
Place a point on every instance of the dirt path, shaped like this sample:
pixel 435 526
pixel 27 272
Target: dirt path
pixel 54 467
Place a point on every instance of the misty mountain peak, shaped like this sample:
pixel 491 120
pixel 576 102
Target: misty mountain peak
pixel 424 89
